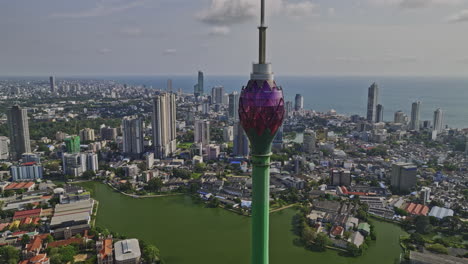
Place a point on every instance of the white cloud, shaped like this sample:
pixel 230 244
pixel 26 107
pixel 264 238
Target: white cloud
pixel 219 31
pixel 331 11
pixel 170 51
pixel 415 4
pixel 461 16
pixel 102 8
pixel 131 31
pixel 299 9
pixel 104 50
pixel 228 12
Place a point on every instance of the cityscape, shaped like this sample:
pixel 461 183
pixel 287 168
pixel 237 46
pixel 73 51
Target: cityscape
pixel 107 171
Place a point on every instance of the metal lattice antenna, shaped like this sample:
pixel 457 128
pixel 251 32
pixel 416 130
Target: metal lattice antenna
pixel 262 35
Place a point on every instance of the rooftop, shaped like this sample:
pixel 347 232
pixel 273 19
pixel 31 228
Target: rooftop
pixel 127 249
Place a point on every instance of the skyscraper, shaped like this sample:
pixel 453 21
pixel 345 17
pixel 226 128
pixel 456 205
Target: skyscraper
pixel 92 163
pixel 72 144
pixel 278 140
pixel 217 94
pixel 169 85
pixel 372 101
pixel 340 178
pixel 380 110
pixel 198 88
pixel 241 142
pixel 52 84
pixel 234 106
pixel 19 131
pixel 164 125
pixel 299 102
pixel 438 120
pixel 202 132
pixel 132 130
pixel 87 134
pixel 403 176
pixel 415 115
pixel 400 117
pixel 74 164
pixel 288 106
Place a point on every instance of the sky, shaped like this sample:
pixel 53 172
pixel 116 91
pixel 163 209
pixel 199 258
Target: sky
pixel 220 37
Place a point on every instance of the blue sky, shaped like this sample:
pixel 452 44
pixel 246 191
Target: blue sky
pixel 305 37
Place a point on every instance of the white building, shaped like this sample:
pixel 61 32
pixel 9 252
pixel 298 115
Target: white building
pixel 438 120
pixel 26 172
pixel 164 125
pixel 228 134
pixel 132 127
pixel 4 152
pixel 202 132
pixel 415 116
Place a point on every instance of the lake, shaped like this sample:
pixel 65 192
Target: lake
pixel 187 232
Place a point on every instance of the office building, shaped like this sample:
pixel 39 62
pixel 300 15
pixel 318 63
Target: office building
pixel 30 157
pixel 87 134
pixel 26 172
pixel 74 164
pixel 380 110
pixel 19 131
pixel 4 151
pixel 403 176
pixel 438 120
pixel 299 102
pixel 415 115
pixel 92 163
pixel 309 142
pixel 278 140
pixel 169 85
pixel 149 158
pixel 372 102
pixel 340 178
pixel 228 134
pixel 234 106
pixel 212 152
pixel 127 252
pixel 108 133
pixel 400 117
pixel 164 125
pixel 72 144
pixel 241 142
pixel 71 219
pixel 52 84
pixel 198 89
pixel 202 132
pixel 132 130
pixel 217 94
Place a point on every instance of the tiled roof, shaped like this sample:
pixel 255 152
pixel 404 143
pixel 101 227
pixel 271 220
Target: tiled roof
pixel 65 242
pixel 27 213
pixel 35 244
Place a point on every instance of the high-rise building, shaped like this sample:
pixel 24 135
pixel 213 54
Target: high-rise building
pixel 288 106
pixel 72 143
pixel 74 164
pixel 278 140
pixel 30 157
pixel 92 163
pixel 234 106
pixel 26 171
pixel 132 130
pixel 415 115
pixel 52 84
pixel 380 110
pixel 241 142
pixel 425 195
pixel 217 94
pixel 87 134
pixel 228 134
pixel 19 131
pixel 164 125
pixel 372 101
pixel 403 176
pixel 169 85
pixel 198 88
pixel 4 152
pixel 202 132
pixel 310 138
pixel 340 178
pixel 108 133
pixel 400 117
pixel 438 120
pixel 299 102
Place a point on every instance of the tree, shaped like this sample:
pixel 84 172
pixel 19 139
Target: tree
pixel 154 185
pixel 322 241
pixel 151 254
pixel 9 255
pixel 181 173
pixel 423 226
pixel 49 239
pixel 308 236
pixel 200 167
pixel 213 203
pixel 354 250
pixel 25 239
pixel 88 174
pixel 437 248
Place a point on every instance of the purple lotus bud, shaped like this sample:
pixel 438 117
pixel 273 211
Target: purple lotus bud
pixel 261 107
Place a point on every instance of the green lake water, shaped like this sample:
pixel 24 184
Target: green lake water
pixel 187 232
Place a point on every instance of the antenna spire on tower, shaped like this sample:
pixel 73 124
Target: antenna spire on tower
pixel 262 35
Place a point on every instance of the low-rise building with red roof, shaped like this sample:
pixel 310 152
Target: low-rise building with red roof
pixel 34 247
pixel 29 186
pixel 417 209
pixel 27 213
pixel 66 242
pixel 104 249
pixel 38 259
pixel 337 231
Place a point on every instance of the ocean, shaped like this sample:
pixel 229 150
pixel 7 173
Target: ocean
pixel 347 95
